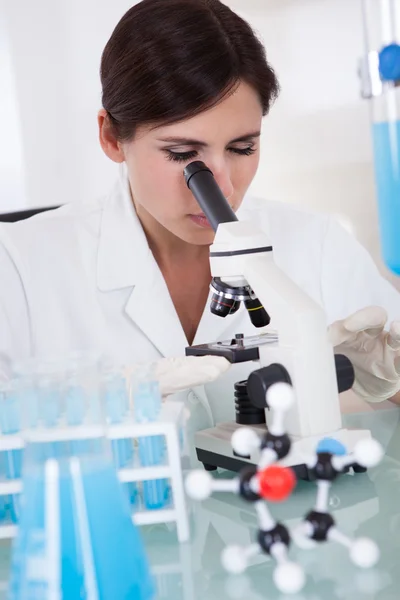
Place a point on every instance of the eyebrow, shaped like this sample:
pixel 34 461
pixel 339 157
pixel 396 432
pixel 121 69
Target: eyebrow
pixel 181 141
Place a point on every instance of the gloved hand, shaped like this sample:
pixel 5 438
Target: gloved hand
pixel 374 352
pixel 176 374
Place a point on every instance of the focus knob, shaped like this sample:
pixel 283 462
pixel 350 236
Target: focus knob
pixel 260 381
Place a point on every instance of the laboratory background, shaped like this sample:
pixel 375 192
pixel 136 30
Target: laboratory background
pixel 317 153
pixel 316 146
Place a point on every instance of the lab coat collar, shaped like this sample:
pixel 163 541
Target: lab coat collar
pixel 125 260
pixel 123 251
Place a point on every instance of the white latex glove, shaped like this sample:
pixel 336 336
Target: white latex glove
pixel 176 374
pixel 374 352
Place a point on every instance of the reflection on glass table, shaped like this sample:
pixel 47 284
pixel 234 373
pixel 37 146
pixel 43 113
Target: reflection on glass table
pixel 366 504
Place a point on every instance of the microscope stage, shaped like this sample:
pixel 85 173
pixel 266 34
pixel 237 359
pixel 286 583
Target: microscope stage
pixel 237 349
pixel 213 447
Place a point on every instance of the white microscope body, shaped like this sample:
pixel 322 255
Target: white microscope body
pixel 302 348
pixel 242 255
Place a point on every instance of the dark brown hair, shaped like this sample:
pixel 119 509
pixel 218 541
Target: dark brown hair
pixel 168 60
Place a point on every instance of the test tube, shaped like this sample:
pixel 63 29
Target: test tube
pixel 147 401
pixel 80 389
pixel 117 408
pixel 4 499
pixel 9 425
pixel 38 385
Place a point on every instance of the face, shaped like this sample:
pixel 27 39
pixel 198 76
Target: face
pixel 225 138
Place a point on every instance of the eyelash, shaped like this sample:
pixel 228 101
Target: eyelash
pixel 185 156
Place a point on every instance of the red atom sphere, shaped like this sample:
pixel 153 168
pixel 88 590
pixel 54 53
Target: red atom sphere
pixel 276 483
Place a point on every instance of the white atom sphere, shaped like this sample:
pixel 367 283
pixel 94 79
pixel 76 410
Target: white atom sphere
pixel 244 440
pixel 280 396
pixel 198 485
pixel 364 553
pixel 368 453
pixel 233 559
pixel 289 578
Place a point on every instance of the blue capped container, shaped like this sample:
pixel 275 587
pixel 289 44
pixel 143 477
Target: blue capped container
pixel 380 76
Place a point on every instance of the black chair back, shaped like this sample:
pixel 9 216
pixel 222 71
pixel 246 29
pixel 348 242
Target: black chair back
pixel 21 215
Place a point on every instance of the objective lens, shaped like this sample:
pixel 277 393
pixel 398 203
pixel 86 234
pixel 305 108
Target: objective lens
pixel 257 313
pixel 223 306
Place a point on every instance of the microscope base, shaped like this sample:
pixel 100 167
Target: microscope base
pixel 213 448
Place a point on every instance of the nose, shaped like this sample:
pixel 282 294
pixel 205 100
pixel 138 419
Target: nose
pixel 224 180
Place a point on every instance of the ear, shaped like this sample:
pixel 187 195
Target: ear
pixel 111 146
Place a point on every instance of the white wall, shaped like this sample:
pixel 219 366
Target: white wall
pixel 317 149
pixel 55 50
pixel 12 188
pixel 316 144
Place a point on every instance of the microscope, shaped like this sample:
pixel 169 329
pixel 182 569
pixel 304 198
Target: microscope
pixel 297 351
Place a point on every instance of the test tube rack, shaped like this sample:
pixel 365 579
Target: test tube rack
pixel 168 425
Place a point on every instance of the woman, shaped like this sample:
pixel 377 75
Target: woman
pixel 129 274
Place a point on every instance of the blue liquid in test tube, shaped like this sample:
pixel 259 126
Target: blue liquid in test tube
pixel 386 139
pixel 12 459
pixel 117 403
pixel 3 499
pixel 75 408
pixel 147 407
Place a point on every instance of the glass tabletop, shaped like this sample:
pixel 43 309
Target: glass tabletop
pixel 366 504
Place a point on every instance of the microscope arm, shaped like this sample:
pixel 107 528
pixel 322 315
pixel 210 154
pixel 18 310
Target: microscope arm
pixel 238 254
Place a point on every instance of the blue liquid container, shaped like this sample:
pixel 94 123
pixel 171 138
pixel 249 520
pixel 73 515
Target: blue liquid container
pixel 3 499
pixel 156 492
pixel 76 538
pixel 97 550
pixel 147 406
pixel 386 140
pixel 117 407
pixel 379 72
pixel 12 459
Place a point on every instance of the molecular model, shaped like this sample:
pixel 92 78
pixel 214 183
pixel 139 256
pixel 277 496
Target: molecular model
pixel 318 525
pixel 269 482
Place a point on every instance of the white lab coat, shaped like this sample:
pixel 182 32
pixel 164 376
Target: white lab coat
pixel 83 278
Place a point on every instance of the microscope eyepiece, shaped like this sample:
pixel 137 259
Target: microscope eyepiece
pixel 200 180
pixel 194 167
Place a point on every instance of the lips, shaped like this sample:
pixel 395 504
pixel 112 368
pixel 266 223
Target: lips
pixel 200 220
